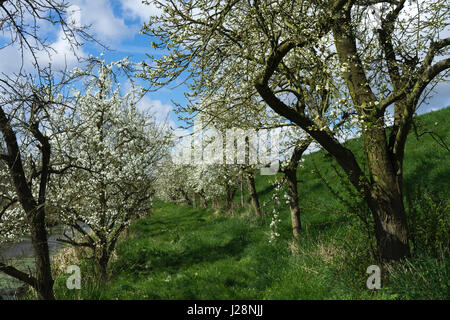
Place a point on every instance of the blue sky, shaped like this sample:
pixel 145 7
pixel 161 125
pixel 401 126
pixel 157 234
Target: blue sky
pixel 117 24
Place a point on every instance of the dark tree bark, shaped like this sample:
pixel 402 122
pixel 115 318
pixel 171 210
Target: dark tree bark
pixel 385 200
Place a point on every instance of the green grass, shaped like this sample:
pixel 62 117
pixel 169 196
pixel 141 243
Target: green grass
pixel 185 253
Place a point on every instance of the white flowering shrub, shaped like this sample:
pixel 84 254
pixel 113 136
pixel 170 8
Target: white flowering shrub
pixel 278 194
pixel 12 218
pixel 109 154
pixel 182 182
pixel 173 183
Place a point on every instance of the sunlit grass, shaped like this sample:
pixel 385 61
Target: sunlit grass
pixel 185 253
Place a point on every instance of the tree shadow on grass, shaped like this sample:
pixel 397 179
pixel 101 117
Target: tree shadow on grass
pixel 157 260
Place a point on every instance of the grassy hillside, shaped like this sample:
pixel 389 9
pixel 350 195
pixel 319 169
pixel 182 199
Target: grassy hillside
pixel 185 253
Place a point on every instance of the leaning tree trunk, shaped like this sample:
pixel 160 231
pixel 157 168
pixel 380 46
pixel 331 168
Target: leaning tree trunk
pixel 38 228
pixel 253 194
pixel 385 199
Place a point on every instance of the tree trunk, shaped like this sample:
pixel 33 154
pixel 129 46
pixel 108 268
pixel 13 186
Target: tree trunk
pixel 383 194
pixel 253 194
pixel 203 199
pixel 229 199
pixel 186 198
pixel 101 264
pixel 291 177
pixel 242 190
pixel 44 280
pixel 391 230
pixel 385 202
pixel 290 172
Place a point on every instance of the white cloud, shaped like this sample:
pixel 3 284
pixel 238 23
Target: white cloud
pixel 135 9
pixel 60 55
pixel 159 110
pixel 63 54
pixel 10 60
pixel 99 14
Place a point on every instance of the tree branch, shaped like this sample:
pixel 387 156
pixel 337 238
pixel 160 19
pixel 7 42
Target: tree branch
pixel 17 274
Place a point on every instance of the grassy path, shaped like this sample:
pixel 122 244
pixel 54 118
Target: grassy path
pixel 185 253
